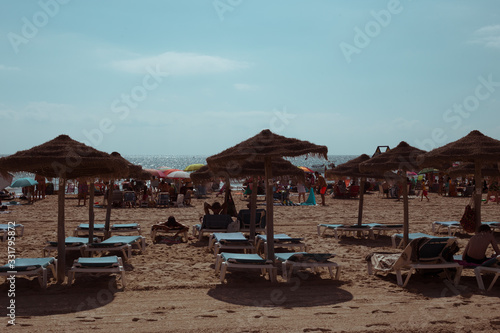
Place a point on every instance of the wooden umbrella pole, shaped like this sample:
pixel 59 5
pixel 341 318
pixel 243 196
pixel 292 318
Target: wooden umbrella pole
pixel 61 234
pixel 253 208
pixel 478 195
pixel 361 199
pixel 91 212
pixel 269 207
pixel 406 226
pixel 108 209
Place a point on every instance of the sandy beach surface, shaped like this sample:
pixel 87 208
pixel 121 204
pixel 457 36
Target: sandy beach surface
pixel 174 288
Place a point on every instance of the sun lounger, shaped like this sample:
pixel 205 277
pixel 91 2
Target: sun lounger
pixel 304 260
pixel 280 240
pixel 71 244
pixel 169 231
pixel 31 267
pixel 322 228
pixel 382 229
pixel 104 265
pixel 125 244
pixel 11 226
pixel 421 254
pixel 229 241
pixel 83 229
pixel 451 226
pixel 399 237
pixel 491 266
pixel 244 261
pixel 361 230
pixel 125 228
pixel 495 226
pixel 244 219
pixel 212 223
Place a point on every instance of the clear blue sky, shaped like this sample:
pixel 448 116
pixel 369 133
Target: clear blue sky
pixel 198 76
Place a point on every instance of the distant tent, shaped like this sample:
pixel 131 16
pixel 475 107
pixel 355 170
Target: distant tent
pixel 379 151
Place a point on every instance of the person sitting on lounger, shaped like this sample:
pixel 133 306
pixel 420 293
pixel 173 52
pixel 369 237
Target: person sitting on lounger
pixel 171 224
pixel 216 208
pixel 475 251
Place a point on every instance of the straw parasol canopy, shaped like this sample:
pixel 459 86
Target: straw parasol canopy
pixel 134 171
pixel 280 167
pixel 265 146
pixel 404 157
pixel 64 158
pixel 476 148
pixel 351 169
pixel 465 169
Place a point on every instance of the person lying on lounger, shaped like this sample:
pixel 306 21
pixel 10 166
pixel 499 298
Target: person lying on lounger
pixel 171 224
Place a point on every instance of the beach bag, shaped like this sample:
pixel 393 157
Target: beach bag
pixel 468 221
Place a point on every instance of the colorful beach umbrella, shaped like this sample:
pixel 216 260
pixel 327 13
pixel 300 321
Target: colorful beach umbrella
pixel 193 167
pixel 305 169
pixel 177 174
pixel 23 182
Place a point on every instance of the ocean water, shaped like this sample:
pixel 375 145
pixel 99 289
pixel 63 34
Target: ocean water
pixel 182 161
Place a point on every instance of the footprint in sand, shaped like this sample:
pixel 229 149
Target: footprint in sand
pixel 24 325
pixel 324 313
pixel 317 330
pixel 206 316
pixel 442 322
pixel 378 324
pixel 382 311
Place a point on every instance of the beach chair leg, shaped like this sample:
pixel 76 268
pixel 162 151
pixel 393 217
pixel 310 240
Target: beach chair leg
pixel 408 277
pixel 319 230
pixel 218 261
pixel 399 278
pixel 493 281
pixel 458 275
pixel 223 272
pixel 370 267
pixel 330 270
pixel 42 278
pixel 393 239
pixel 337 274
pixel 273 272
pixel 479 278
pixel 284 273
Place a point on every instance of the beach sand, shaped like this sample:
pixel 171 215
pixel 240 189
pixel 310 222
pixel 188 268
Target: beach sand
pixel 173 288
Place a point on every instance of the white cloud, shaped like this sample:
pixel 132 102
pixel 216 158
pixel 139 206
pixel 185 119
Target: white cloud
pixel 8 68
pixel 177 63
pixel 488 36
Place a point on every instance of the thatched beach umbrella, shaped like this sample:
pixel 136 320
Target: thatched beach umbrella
pixel 63 158
pixel 466 169
pixel 476 148
pixel 265 146
pixel 351 169
pixel 404 157
pixel 279 168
